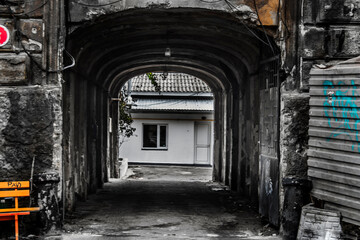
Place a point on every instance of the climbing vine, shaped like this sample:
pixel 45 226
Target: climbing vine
pixel 152 77
pixel 125 120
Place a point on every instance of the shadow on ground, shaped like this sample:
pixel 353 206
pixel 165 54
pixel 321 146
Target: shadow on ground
pixel 159 202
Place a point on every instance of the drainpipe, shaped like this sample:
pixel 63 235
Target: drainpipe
pixel 129 88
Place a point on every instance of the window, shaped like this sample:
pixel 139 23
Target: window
pixel 154 136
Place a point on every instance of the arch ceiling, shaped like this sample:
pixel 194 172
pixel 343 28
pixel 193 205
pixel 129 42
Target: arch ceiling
pixel 211 45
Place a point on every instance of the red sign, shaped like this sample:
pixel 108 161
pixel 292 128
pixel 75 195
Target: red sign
pixel 4 35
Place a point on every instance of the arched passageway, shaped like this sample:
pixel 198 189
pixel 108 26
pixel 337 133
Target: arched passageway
pixel 229 54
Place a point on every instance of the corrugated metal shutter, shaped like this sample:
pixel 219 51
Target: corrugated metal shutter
pixel 334 144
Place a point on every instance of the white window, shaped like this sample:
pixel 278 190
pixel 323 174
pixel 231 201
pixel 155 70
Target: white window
pixel 154 136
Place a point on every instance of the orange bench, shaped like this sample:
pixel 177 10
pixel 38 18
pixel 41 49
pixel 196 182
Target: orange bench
pixel 15 190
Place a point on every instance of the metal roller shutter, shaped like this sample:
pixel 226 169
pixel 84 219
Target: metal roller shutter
pixel 334 144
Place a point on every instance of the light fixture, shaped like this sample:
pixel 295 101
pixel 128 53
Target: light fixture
pixel 167 52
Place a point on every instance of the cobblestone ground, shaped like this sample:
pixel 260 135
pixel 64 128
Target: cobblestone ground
pixel 159 202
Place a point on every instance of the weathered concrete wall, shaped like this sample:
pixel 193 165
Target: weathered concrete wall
pixel 31 130
pixel 317 32
pixel 294 124
pixel 31 127
pixel 294 117
pixel 328 34
pixel 31 105
pixel 248 172
pixel 91 9
pixel 86 138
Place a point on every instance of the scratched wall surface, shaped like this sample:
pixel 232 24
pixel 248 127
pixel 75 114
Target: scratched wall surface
pixel 334 145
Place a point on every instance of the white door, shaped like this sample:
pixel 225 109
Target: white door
pixel 202 143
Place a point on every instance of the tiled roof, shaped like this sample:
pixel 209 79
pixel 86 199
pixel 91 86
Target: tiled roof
pixel 174 105
pixel 175 82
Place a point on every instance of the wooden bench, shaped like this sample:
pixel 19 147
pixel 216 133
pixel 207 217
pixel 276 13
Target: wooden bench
pixel 15 190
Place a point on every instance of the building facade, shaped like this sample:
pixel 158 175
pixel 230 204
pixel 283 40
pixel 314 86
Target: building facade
pixel 173 125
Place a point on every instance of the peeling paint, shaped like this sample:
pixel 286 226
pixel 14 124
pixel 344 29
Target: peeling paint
pixel 268 13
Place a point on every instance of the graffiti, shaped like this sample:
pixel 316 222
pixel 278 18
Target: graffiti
pixel 268 186
pixel 341 111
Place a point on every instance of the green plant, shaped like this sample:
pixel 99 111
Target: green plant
pixel 152 77
pixel 125 120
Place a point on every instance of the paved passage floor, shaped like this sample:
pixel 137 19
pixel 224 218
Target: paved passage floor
pixel 159 202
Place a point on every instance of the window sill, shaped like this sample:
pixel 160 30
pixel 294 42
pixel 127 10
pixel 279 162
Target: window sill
pixel 154 149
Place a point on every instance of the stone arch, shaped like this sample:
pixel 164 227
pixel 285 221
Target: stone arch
pixel 212 45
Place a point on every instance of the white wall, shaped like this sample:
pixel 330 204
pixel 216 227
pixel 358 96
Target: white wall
pixel 181 139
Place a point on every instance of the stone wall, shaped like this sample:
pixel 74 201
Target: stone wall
pixel 92 9
pixel 31 94
pixel 319 32
pixel 328 33
pixel 31 105
pixel 30 133
pixel 31 129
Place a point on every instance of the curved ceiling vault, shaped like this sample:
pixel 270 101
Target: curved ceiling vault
pixel 211 45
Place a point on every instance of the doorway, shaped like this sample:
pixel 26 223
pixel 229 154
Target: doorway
pixel 202 143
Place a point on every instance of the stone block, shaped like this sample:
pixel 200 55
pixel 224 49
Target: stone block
pixel 338 41
pixel 305 75
pixel 294 133
pixel 47 187
pixel 339 11
pixel 29 118
pixel 314 42
pixel 13 69
pixel 38 76
pixel 310 11
pixel 15 9
pixel 345 41
pixel 27 131
pixel 25 8
pixel 32 31
pixel 34 8
pixel 8 23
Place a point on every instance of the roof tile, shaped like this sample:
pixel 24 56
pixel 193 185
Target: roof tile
pixel 175 82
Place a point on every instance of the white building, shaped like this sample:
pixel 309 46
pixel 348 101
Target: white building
pixel 173 126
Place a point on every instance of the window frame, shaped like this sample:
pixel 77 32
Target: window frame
pixel 158 126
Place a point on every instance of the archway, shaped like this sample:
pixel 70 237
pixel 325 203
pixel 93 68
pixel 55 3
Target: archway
pixel 225 52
